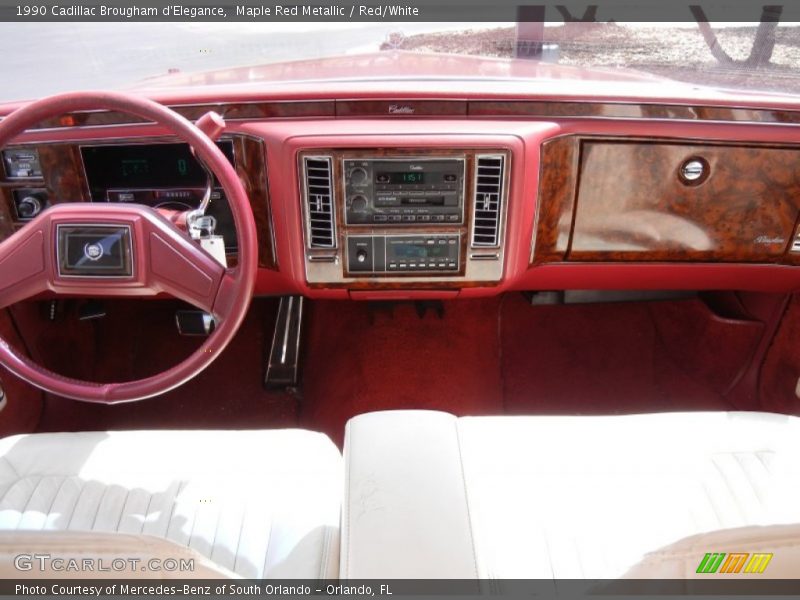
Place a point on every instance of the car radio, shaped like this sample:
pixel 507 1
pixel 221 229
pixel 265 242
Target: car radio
pixel 404 191
pixel 413 253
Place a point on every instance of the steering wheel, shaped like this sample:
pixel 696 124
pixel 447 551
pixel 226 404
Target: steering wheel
pixel 125 250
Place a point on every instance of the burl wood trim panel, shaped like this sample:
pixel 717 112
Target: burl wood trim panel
pixel 233 111
pixel 558 178
pixel 251 166
pixel 631 204
pixel 628 110
pixel 63 178
pixel 403 108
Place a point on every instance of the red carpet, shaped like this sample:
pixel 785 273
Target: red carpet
pixel 782 365
pixel 490 356
pixel 362 357
pixel 24 402
pixel 620 358
pixel 139 338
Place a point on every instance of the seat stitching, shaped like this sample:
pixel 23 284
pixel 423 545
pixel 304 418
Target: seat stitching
pixel 324 560
pixel 122 511
pixel 99 507
pixel 739 461
pixel 216 532
pixel 759 456
pixel 466 497
pixel 239 539
pixel 77 501
pixel 713 504
pixel 731 492
pixel 53 503
pixel 171 510
pixel 28 501
pixel 12 467
pixel 269 542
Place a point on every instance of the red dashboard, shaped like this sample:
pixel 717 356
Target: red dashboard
pixel 411 196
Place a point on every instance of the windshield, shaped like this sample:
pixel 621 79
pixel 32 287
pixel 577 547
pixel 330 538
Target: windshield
pixel 46 58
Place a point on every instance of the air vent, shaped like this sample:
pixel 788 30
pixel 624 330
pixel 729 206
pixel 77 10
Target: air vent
pixel 319 202
pixel 488 202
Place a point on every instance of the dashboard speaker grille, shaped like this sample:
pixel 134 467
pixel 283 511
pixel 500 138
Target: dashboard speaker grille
pixel 488 200
pixel 318 176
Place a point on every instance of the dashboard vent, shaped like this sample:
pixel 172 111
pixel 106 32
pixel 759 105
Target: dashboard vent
pixel 488 202
pixel 317 173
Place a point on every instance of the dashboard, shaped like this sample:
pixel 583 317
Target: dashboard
pixel 452 198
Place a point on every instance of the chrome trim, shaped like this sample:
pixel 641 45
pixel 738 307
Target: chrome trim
pixel 130 277
pixel 373 273
pixel 305 199
pixel 501 198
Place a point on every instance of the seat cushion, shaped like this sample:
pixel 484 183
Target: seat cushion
pixel 553 496
pixel 261 504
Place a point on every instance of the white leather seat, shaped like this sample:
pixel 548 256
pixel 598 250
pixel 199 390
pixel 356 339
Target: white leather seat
pixel 260 504
pixel 432 496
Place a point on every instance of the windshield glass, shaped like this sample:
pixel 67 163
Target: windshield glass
pixel 46 58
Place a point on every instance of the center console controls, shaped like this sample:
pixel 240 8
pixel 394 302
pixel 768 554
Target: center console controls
pixel 403 253
pixel 399 191
pixel 428 217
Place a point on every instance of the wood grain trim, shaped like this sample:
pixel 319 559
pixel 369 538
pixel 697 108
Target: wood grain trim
pixel 251 166
pixel 629 110
pixel 409 108
pixel 63 177
pixel 232 111
pixel 558 179
pixel 623 200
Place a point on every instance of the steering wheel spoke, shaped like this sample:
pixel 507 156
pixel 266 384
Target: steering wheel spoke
pixel 23 266
pixel 126 250
pixel 181 268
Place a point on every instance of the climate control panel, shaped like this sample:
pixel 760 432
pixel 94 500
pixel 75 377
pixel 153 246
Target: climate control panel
pixel 420 253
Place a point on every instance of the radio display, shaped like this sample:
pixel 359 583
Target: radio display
pixel 402 177
pixel 419 251
pixel 144 166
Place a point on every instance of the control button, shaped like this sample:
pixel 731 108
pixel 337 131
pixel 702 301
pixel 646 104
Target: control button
pixel 361 256
pixel 453 217
pixel 392 265
pixel 409 218
pixel 442 265
pixel 358 203
pixel 394 217
pixel 29 203
pixel 424 218
pixel 450 177
pixel 29 207
pixel 379 218
pixel 438 217
pixel 358 176
pixel 382 178
pixel 402 265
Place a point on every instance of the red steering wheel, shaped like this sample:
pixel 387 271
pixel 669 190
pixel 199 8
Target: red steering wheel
pixel 136 252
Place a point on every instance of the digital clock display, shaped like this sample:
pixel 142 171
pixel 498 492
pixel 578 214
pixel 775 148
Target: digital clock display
pixel 144 166
pixel 403 177
pixel 422 251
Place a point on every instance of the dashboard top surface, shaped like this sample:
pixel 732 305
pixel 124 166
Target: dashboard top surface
pixel 278 112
